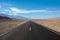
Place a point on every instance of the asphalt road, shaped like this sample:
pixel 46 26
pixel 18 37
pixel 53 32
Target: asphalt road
pixel 32 31
pixel 39 32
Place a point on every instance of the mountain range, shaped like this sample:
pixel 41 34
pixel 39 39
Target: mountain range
pixel 5 16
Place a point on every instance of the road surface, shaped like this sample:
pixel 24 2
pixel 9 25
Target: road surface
pixel 32 31
pixel 39 32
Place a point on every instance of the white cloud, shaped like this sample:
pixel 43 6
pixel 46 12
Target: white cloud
pixel 16 10
pixel 33 11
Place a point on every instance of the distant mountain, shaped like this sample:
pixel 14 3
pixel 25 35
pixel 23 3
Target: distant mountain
pixel 3 17
pixel 19 17
pixel 1 14
pixel 56 18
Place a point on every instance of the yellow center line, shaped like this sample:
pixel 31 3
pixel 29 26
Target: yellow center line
pixel 30 28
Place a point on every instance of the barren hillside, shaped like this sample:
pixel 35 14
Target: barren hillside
pixel 52 24
pixel 8 24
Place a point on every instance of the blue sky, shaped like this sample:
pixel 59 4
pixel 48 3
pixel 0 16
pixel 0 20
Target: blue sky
pixel 35 9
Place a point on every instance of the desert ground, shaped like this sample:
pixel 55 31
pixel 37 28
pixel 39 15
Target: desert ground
pixel 8 24
pixel 52 24
pixel 15 29
pixel 30 31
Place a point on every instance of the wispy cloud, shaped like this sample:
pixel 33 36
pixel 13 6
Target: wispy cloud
pixel 16 10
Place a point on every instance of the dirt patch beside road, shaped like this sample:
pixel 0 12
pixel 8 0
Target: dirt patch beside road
pixel 7 25
pixel 52 24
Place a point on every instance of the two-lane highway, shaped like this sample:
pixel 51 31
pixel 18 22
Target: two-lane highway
pixel 32 31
